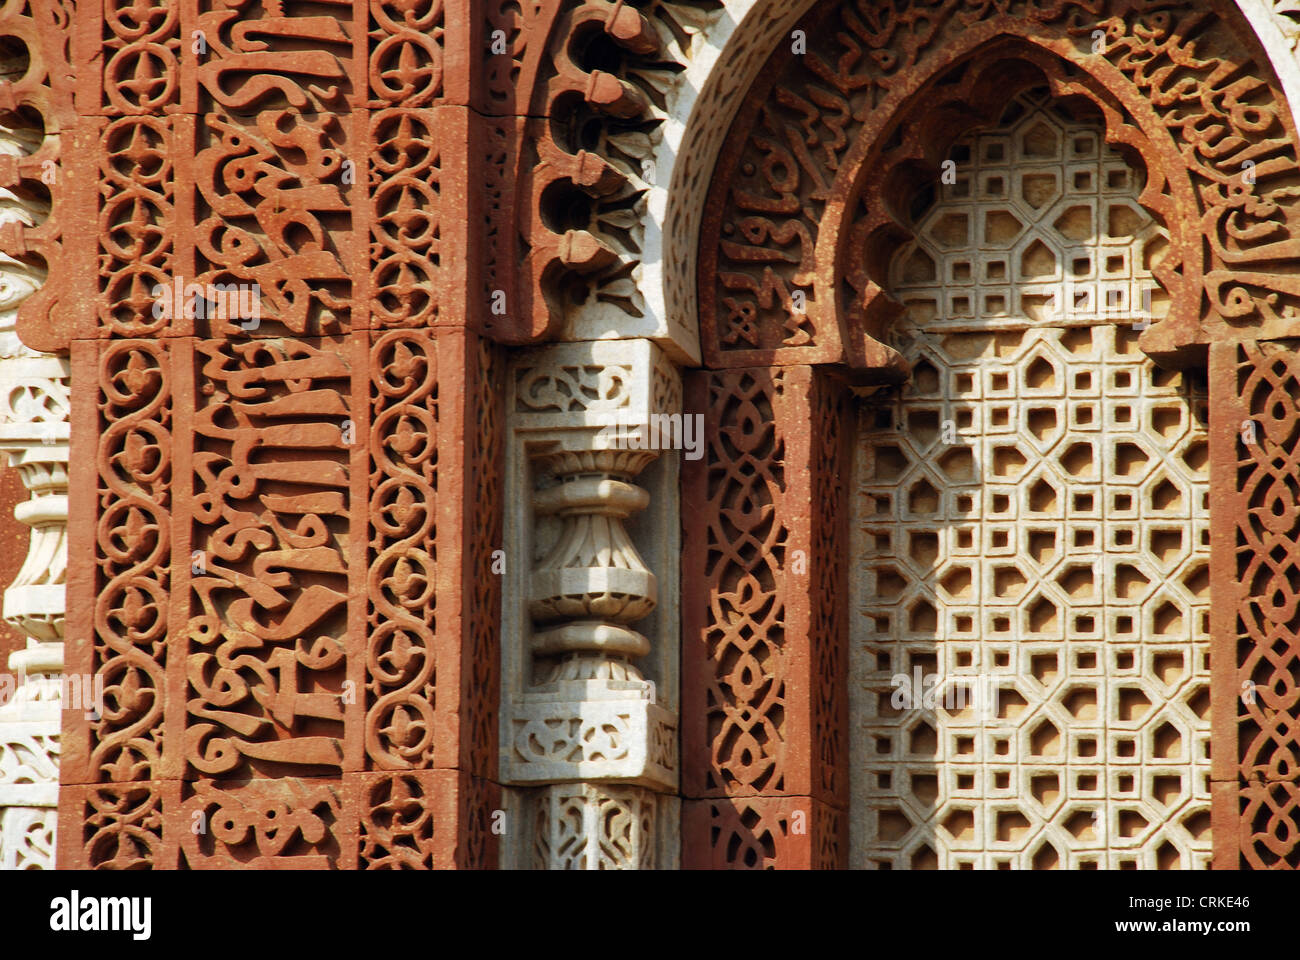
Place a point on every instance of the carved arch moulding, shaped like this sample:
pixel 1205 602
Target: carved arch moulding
pixel 1186 90
pixel 832 152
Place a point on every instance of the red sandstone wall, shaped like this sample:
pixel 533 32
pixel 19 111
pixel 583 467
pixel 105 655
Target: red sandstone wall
pixel 14 537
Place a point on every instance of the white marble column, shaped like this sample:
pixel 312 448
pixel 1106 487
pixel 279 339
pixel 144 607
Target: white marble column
pixel 589 729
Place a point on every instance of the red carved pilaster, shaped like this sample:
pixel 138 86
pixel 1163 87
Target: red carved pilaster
pixel 764 660
pixel 470 504
pixel 112 768
pixel 1255 536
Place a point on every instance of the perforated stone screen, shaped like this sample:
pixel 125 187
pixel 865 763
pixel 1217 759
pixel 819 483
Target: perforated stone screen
pixel 1029 641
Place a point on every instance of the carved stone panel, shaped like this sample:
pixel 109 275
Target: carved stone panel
pixel 289 482
pixel 1255 473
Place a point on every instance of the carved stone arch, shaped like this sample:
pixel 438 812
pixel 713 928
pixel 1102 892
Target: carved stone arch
pixel 1195 126
pixel 856 235
pixel 799 202
pixel 721 66
pixel 596 189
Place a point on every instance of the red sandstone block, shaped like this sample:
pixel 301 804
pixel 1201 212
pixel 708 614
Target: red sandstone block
pixel 82 587
pixel 1225 690
pixel 463 45
pixel 764 653
pixel 763 833
pixel 14 538
pixel 513 50
pixel 282 824
pixel 470 504
pixel 1225 824
pixel 425 820
pixel 115 826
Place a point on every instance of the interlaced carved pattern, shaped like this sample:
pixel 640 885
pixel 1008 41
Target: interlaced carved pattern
pixel 767 685
pixel 401 725
pixel 26 839
pixel 141 51
pixel 746 550
pixel 403 506
pixel 397 824
pixel 136 224
pixel 137 171
pixel 746 838
pixel 405 52
pixel 1263 414
pixel 123 824
pixel 480 799
pixel 499 231
pixel 134 544
pixel 594 827
pixel 404 174
pixel 768 833
pixel 828 627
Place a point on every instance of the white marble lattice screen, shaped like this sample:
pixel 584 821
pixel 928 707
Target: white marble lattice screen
pixel 1031 517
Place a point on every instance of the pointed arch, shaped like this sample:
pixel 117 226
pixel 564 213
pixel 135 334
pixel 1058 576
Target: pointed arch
pixel 802 184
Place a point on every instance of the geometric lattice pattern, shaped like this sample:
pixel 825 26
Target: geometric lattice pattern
pixel 1029 635
pixel 1040 224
